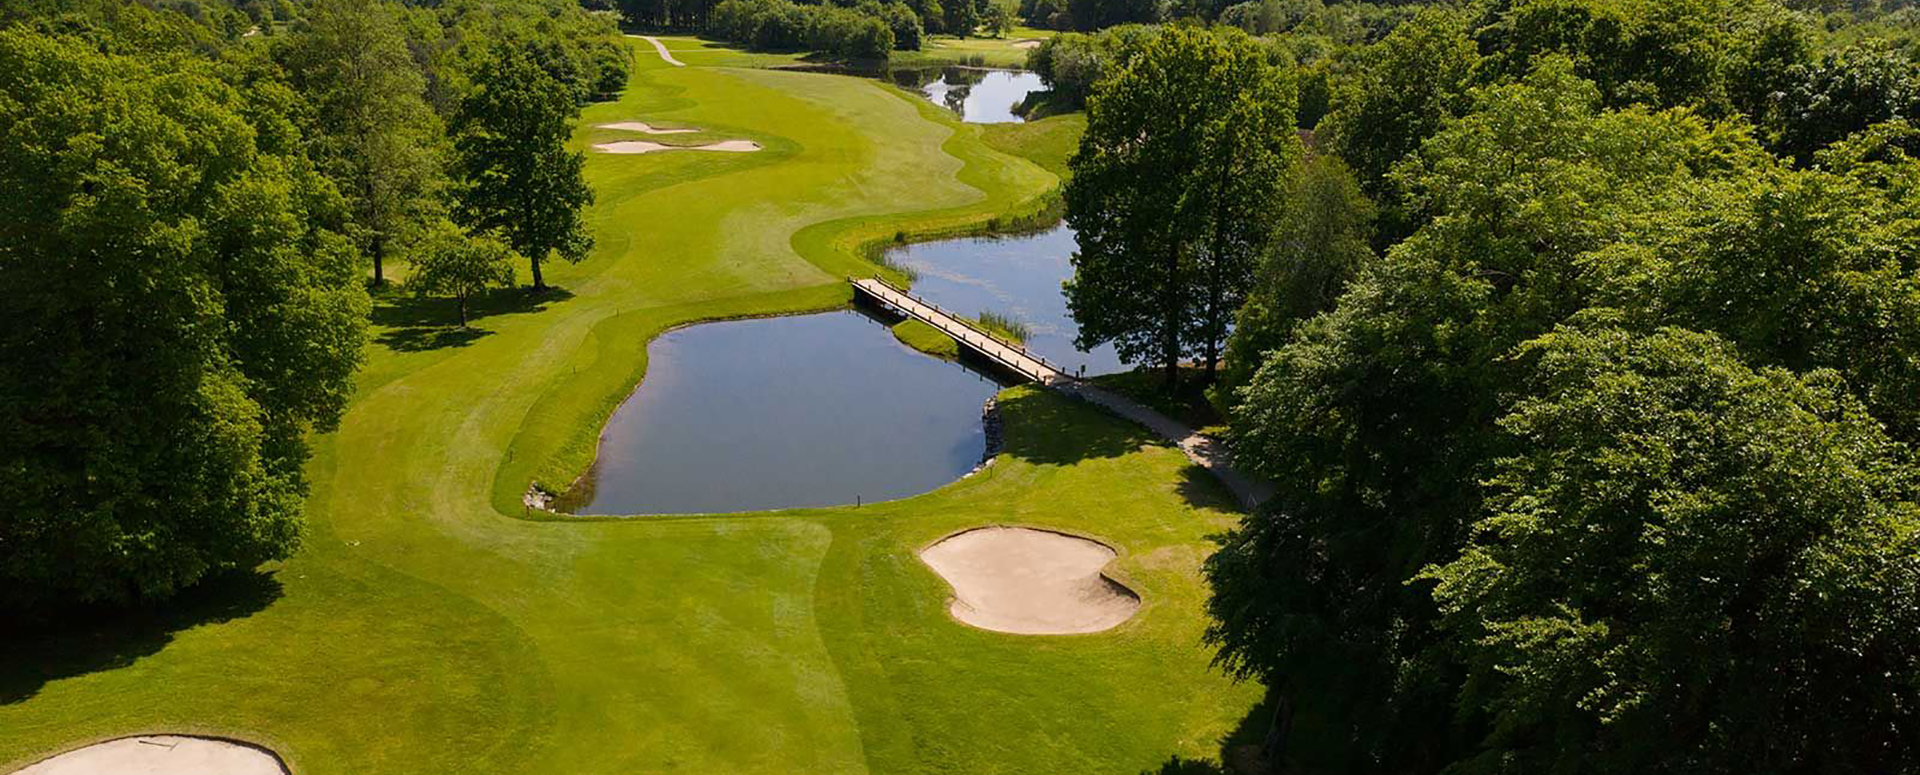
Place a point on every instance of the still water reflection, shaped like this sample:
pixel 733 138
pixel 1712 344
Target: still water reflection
pixel 1018 276
pixel 789 412
pixel 982 96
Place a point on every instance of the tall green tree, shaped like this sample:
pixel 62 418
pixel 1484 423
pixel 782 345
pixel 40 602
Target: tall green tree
pixel 1172 194
pixel 1320 242
pixel 1845 92
pixel 1375 420
pixel 962 17
pixel 450 262
pixel 517 177
pixel 378 140
pixel 1688 565
pixel 1407 86
pixel 180 316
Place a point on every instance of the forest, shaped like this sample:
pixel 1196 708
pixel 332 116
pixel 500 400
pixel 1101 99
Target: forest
pixel 204 198
pixel 1581 341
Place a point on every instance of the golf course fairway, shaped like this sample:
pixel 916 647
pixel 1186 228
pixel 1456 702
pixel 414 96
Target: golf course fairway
pixel 429 625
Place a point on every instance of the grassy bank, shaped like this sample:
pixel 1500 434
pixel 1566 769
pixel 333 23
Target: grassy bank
pixel 926 339
pixel 426 628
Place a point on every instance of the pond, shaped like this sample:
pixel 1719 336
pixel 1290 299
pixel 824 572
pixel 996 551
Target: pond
pixel 789 412
pixel 982 96
pixel 1018 276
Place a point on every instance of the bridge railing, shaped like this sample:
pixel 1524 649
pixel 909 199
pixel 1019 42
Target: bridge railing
pixel 968 329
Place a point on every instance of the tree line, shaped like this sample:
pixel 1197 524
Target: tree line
pixel 201 196
pixel 1581 339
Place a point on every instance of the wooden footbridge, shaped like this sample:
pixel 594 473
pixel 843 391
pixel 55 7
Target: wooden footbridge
pixel 1201 449
pixel 1012 357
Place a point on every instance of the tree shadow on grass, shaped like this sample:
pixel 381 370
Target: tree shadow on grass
pixel 1239 750
pixel 1201 490
pixel 414 323
pixel 1046 428
pixel 37 649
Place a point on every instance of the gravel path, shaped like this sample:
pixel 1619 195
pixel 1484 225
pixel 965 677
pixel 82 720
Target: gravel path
pixel 662 48
pixel 1204 451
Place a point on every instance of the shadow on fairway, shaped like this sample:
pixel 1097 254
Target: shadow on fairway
pixel 35 650
pixel 1048 429
pixel 1201 490
pixel 415 324
pixel 1239 751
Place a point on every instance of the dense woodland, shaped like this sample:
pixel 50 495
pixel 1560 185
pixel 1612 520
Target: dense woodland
pixel 201 196
pixel 1582 341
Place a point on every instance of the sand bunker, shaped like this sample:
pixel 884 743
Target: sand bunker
pixel 1030 582
pixel 1028 43
pixel 162 755
pixel 642 146
pixel 641 126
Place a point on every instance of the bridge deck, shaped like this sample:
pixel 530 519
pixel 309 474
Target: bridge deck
pixel 1201 449
pixel 1013 357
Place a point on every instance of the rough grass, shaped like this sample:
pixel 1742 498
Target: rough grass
pixel 1006 328
pixel 426 627
pixel 927 339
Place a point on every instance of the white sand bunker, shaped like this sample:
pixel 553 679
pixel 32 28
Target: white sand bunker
pixel 162 755
pixel 642 146
pixel 1027 43
pixel 1030 582
pixel 641 126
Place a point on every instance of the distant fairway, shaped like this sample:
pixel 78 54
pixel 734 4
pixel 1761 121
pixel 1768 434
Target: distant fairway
pixel 426 627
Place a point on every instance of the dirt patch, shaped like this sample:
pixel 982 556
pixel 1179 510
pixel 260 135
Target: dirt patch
pixel 162 755
pixel 1030 582
pixel 642 126
pixel 642 146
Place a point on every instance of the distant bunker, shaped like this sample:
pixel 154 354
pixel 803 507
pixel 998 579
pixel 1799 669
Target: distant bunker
pixel 1030 582
pixel 643 146
pixel 162 755
pixel 641 126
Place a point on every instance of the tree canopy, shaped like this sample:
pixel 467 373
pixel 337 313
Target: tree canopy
pixel 519 178
pixel 1172 193
pixel 1408 427
pixel 182 309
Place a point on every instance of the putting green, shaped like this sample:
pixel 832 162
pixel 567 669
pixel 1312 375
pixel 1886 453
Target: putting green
pixel 427 627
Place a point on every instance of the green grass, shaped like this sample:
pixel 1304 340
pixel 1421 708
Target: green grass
pixel 927 339
pixel 974 51
pixel 1048 142
pixel 427 627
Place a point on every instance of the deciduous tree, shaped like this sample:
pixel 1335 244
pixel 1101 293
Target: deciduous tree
pixel 450 262
pixel 1172 194
pixel 1688 565
pixel 517 177
pixel 1319 243
pixel 378 140
pixel 179 317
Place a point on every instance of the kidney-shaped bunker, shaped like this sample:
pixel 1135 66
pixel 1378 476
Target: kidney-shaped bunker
pixel 162 755
pixel 1030 582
